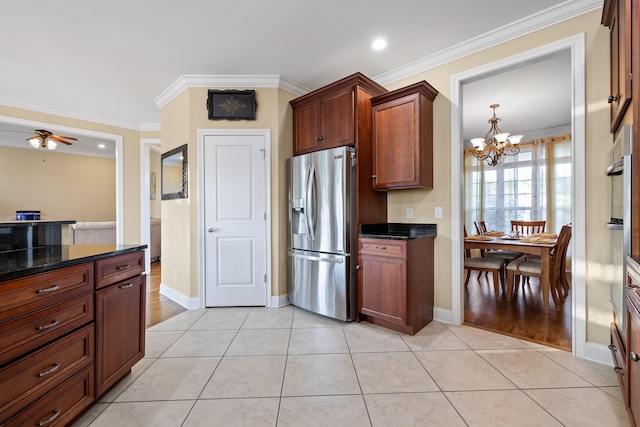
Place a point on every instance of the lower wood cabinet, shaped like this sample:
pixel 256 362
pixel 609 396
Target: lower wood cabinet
pixel 60 406
pixel 120 330
pixel 67 336
pixel 395 282
pixel 633 353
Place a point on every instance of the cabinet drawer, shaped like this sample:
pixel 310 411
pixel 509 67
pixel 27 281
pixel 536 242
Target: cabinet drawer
pixel 29 378
pixel 617 354
pixel 117 268
pixel 22 334
pixel 30 293
pixel 60 406
pixel 383 247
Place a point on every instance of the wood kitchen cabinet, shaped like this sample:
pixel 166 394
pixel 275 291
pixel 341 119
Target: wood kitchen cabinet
pixel 120 318
pixel 402 124
pixel 69 333
pixel 396 282
pixel 616 15
pixel 633 350
pixel 46 340
pixel 334 115
pixel 629 368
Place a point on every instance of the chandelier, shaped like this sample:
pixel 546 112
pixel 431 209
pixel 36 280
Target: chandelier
pixel 495 144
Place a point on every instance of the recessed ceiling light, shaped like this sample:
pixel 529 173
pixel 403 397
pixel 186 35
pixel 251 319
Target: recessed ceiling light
pixel 101 146
pixel 379 44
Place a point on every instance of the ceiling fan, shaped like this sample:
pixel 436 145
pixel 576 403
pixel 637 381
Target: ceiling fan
pixel 45 139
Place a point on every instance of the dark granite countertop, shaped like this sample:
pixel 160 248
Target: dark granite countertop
pixel 24 262
pixel 35 223
pixel 400 231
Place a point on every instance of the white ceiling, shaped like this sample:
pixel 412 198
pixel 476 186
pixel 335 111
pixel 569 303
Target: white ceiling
pixel 107 61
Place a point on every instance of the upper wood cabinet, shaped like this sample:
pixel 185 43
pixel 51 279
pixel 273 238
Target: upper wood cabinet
pixel 402 123
pixel 616 15
pixel 334 115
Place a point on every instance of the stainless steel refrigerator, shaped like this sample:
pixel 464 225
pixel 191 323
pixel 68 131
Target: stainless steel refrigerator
pixel 321 275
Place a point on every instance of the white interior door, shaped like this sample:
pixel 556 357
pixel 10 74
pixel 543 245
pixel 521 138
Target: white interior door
pixel 235 220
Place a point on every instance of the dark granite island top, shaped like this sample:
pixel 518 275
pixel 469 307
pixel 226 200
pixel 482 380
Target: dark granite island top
pixel 24 262
pixel 399 231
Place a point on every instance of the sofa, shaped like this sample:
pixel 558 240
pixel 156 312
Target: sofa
pixel 93 233
pixel 154 239
pixel 104 232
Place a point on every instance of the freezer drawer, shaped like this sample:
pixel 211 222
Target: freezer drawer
pixel 322 283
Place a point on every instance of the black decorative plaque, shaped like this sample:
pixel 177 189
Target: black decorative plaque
pixel 231 104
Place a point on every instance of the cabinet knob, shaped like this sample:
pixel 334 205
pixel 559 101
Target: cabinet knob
pixel 612 98
pixel 619 371
pixel 358 267
pixel 320 138
pixel 633 356
pixel 212 229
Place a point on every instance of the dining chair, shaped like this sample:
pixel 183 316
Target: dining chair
pixel 527 228
pixel 495 266
pixel 481 227
pixel 531 266
pixel 506 256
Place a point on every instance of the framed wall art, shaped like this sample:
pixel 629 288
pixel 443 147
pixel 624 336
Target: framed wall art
pixel 231 104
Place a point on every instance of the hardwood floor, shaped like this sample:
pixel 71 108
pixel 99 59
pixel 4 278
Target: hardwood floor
pixel 522 317
pixel 159 307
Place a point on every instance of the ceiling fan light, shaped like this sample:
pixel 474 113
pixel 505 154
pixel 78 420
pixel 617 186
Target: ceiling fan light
pixel 51 145
pixel 35 142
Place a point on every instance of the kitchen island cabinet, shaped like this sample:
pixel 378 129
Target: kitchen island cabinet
pixel 120 318
pixel 58 334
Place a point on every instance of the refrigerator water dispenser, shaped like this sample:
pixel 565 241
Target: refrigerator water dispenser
pixel 298 218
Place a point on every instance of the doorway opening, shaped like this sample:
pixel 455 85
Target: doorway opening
pixel 575 47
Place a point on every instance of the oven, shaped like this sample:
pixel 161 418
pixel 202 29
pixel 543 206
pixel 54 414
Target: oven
pixel 620 223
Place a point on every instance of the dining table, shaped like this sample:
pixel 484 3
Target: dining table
pixel 535 245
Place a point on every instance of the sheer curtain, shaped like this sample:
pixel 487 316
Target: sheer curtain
pixel 533 185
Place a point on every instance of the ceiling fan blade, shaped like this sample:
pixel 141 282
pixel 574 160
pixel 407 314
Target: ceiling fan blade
pixel 66 137
pixel 58 139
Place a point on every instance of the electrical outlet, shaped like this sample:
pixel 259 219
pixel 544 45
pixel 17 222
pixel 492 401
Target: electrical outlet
pixel 409 212
pixel 438 212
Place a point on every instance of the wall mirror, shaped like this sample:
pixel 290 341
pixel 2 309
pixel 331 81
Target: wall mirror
pixel 174 173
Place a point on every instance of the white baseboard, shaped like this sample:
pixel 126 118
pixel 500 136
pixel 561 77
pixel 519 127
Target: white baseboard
pixel 598 353
pixel 278 301
pixel 442 315
pixel 177 297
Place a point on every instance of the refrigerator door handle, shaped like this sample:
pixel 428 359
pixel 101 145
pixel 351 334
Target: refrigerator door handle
pixel 316 258
pixel 310 212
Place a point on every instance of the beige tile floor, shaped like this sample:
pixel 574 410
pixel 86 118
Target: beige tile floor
pixel 288 367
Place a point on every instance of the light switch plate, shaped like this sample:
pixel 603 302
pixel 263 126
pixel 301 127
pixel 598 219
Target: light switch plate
pixel 409 212
pixel 438 212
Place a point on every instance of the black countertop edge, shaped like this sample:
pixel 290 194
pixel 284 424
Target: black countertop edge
pixel 398 231
pixel 35 223
pixel 25 262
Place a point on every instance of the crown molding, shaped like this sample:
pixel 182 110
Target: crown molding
pixel 219 81
pixel 149 127
pixel 554 15
pixel 64 112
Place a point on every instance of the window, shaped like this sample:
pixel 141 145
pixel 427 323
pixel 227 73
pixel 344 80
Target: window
pixel 533 185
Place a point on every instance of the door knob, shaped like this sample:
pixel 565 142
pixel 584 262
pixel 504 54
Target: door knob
pixel 212 229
